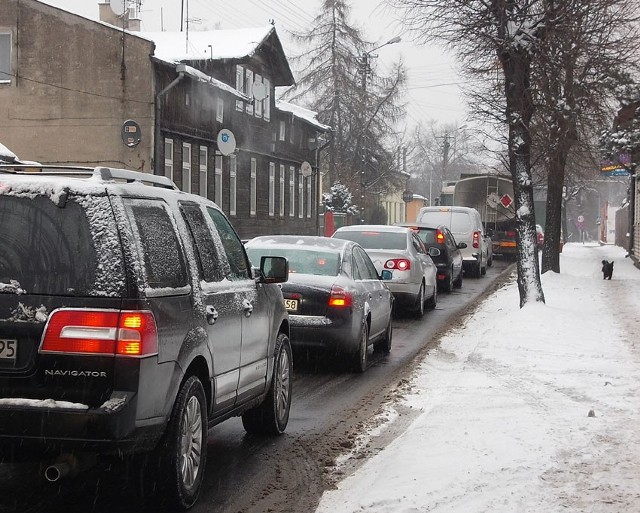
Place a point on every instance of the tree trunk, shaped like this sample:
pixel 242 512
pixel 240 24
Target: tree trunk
pixel 552 234
pixel 516 65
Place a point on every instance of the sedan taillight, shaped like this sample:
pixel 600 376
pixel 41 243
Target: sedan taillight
pixel 104 332
pixel 340 298
pixel 400 264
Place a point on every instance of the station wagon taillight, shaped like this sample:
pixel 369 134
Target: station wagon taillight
pixel 476 239
pixel 440 237
pixel 401 264
pixel 104 332
pixel 511 234
pixel 340 298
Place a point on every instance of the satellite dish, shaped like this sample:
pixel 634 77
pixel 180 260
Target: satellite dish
pixel 226 142
pixel 305 168
pixel 259 91
pixel 118 6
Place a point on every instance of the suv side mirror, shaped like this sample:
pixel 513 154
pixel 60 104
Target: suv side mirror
pixel 386 274
pixel 462 245
pixel 274 269
pixel 434 252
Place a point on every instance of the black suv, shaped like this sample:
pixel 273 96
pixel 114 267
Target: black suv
pixel 449 259
pixel 130 322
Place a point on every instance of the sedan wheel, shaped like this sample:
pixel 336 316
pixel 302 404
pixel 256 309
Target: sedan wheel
pixel 360 358
pixel 419 306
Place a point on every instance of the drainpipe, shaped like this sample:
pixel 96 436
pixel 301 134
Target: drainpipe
pixel 180 68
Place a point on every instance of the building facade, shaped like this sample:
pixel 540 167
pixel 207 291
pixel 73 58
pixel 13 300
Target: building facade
pixel 79 91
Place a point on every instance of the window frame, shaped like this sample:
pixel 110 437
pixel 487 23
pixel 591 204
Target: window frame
pixel 292 191
pixel 168 162
pixel 220 110
pixel 9 50
pixel 282 189
pixel 239 86
pixel 186 166
pixel 248 81
pixel 253 187
pixel 204 170
pixel 272 188
pixel 217 180
pixel 300 194
pixel 233 184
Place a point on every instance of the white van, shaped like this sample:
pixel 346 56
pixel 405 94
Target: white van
pixel 465 224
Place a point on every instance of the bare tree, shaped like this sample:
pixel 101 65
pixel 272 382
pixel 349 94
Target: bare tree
pixel 588 49
pixel 340 82
pixel 503 35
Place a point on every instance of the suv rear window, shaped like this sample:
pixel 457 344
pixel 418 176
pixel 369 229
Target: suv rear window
pixel 67 249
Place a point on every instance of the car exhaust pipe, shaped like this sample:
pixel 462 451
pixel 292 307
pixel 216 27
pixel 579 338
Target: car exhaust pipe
pixel 68 465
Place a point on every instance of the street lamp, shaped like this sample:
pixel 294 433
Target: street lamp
pixel 365 69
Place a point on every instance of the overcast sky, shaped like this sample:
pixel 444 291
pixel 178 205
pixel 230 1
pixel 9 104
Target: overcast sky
pixel 432 93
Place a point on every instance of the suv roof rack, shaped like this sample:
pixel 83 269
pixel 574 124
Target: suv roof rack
pixel 102 173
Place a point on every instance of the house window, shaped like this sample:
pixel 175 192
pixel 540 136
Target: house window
pixel 240 86
pixel 292 191
pixel 300 195
pixel 258 103
pixel 248 89
pixel 218 181
pixel 168 158
pixel 5 58
pixel 267 100
pixel 309 198
pixel 272 188
pixel 274 137
pixel 187 99
pixel 233 172
pixel 292 137
pixel 204 155
pixel 253 187
pixel 220 110
pixel 186 167
pixel 282 136
pixel 281 190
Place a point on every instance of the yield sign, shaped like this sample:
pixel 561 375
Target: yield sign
pixel 506 200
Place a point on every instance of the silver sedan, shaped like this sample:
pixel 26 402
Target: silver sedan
pixel 399 250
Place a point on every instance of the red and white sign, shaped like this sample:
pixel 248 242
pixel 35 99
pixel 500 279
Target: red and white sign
pixel 506 200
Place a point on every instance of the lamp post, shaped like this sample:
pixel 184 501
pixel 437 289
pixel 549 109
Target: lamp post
pixel 365 69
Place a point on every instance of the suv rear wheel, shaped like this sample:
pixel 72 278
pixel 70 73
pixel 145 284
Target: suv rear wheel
pixel 183 454
pixel 272 415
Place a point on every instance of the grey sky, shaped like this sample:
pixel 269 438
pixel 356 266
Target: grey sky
pixel 432 89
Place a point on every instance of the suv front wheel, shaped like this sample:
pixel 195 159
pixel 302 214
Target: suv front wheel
pixel 272 415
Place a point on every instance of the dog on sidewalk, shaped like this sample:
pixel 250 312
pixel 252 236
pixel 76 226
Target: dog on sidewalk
pixel 607 270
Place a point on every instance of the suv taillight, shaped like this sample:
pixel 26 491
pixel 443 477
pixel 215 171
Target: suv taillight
pixel 401 264
pixel 105 332
pixel 440 237
pixel 340 298
pixel 476 239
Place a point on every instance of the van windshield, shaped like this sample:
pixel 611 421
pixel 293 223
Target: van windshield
pixel 457 222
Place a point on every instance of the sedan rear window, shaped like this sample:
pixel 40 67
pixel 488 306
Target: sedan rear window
pixel 301 261
pixel 375 240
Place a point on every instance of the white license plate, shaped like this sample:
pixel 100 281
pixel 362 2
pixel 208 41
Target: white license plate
pixel 291 304
pixel 8 349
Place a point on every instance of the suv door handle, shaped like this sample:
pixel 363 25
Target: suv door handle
pixel 248 307
pixel 212 314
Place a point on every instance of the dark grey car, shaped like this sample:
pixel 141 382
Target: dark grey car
pixel 131 320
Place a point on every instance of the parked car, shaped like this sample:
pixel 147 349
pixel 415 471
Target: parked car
pixel 539 236
pixel 336 298
pixel 448 260
pixel 130 322
pixel 466 225
pixel 399 250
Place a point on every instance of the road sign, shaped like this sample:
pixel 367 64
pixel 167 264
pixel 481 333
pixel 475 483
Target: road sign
pixel 506 200
pixel 581 219
pixel 407 196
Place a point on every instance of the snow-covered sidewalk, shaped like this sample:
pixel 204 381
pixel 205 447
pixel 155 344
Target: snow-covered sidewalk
pixel 522 410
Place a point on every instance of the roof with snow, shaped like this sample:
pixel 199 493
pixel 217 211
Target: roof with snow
pixel 224 45
pixel 306 115
pixel 6 155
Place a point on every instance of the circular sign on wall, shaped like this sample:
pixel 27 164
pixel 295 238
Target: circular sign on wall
pixel 305 168
pixel 226 142
pixel 131 133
